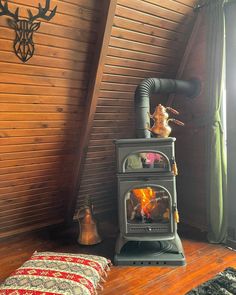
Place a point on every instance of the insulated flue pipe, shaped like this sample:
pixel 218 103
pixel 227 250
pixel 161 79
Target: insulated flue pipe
pixel 150 86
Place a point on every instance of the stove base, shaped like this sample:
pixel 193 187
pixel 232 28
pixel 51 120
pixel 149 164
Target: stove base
pixel 149 260
pixel 158 253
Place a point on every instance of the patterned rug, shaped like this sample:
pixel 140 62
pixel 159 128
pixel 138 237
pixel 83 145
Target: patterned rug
pixel 224 283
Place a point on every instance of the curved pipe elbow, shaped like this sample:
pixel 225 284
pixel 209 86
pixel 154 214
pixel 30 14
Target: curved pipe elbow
pixel 150 86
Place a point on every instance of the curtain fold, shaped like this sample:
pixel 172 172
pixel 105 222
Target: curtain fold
pixel 216 150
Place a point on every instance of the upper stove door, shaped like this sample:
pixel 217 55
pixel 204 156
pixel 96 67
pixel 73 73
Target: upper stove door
pixel 145 155
pixel 146 161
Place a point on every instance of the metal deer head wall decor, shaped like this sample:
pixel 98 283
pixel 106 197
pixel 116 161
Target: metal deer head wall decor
pixel 24 28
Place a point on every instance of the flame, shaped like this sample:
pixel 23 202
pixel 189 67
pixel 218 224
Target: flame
pixel 145 197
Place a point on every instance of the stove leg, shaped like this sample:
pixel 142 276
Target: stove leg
pixel 178 244
pixel 120 242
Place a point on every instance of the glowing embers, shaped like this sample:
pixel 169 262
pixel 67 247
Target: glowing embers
pixel 148 205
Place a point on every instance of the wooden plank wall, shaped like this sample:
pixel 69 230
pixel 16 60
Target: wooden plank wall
pixel 41 112
pixel 148 40
pixel 191 147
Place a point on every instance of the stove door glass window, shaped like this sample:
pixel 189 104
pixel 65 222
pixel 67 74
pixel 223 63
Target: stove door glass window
pixel 147 205
pixel 146 161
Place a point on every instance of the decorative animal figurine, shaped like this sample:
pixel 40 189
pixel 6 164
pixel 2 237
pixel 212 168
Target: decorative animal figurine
pixel 24 28
pixel 161 120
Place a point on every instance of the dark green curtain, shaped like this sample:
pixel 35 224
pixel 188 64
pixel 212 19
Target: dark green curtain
pixel 230 17
pixel 216 154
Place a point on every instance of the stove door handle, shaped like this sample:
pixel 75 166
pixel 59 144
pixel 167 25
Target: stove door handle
pixel 145 179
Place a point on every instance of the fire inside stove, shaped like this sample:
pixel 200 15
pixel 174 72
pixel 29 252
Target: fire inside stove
pixel 147 205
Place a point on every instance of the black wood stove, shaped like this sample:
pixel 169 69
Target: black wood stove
pixel 147 203
pixel 147 198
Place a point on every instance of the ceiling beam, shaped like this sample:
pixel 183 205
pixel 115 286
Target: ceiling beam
pixel 92 99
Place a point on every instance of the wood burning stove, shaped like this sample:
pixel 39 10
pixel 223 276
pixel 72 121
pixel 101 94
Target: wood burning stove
pixel 147 198
pixel 147 203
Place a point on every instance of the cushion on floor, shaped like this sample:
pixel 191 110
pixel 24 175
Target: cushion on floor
pixel 51 273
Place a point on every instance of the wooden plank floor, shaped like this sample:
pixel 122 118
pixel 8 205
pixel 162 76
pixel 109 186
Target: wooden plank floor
pixel 204 260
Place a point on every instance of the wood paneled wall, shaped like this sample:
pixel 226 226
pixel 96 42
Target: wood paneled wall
pixel 148 39
pixel 42 103
pixel 191 140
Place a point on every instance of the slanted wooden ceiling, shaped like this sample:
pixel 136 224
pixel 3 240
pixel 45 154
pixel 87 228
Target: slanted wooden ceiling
pixel 148 39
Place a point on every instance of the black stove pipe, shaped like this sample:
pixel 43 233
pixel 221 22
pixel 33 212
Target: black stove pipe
pixel 150 86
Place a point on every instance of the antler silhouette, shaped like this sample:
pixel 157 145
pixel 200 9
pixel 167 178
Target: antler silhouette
pixel 4 10
pixel 42 12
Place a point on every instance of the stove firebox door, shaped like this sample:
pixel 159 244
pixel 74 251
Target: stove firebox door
pixel 146 207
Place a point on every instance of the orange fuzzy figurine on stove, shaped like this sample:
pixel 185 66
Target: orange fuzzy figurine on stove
pixel 160 118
